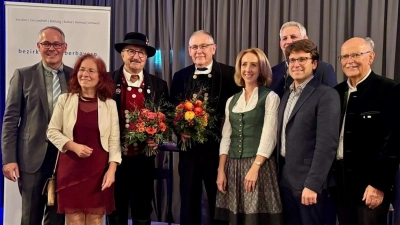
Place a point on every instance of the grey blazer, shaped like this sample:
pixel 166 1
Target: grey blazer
pixel 312 136
pixel 26 117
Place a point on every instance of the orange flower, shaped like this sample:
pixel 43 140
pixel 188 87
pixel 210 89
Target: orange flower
pixel 141 129
pixel 161 116
pixel 163 127
pixel 151 130
pixel 189 106
pixel 198 111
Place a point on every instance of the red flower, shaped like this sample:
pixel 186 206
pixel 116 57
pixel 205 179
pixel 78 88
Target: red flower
pixel 198 103
pixel 198 111
pixel 180 106
pixel 151 115
pixel 132 126
pixel 161 116
pixel 151 130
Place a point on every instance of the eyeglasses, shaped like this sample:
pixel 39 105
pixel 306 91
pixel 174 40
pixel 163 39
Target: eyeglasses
pixel 132 52
pixel 301 60
pixel 89 71
pixel 48 45
pixel 353 56
pixel 201 47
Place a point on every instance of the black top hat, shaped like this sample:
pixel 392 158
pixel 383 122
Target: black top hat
pixel 134 38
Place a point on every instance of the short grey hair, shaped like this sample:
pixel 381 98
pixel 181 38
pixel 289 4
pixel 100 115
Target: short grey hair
pixel 53 28
pixel 303 31
pixel 210 37
pixel 370 42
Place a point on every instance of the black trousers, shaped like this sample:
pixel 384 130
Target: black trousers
pixel 356 213
pixel 134 189
pixel 295 213
pixel 198 165
pixel 33 202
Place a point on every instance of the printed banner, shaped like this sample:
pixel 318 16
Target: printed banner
pixel 86 29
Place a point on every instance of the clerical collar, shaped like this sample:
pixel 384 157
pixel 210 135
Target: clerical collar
pixel 207 71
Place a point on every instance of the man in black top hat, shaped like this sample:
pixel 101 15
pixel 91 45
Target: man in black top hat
pixel 134 85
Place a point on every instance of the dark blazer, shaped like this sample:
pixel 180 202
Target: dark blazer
pixel 324 73
pixel 223 86
pixel 311 136
pixel 26 118
pixel 158 87
pixel 371 142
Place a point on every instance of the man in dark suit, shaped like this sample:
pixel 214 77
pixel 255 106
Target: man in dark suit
pixel 27 154
pixel 368 153
pixel 308 121
pixel 134 182
pixel 200 163
pixel 281 80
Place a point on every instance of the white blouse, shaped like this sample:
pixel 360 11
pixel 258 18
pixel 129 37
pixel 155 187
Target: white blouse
pixel 269 130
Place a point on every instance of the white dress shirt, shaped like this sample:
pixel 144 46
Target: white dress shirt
pixel 208 71
pixel 128 78
pixel 269 130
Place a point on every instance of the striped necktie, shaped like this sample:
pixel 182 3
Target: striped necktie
pixel 56 87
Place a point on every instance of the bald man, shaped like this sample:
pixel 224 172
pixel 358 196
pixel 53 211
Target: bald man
pixel 367 156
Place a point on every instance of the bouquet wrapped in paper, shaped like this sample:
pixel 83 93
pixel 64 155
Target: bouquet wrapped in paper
pixel 145 124
pixel 192 117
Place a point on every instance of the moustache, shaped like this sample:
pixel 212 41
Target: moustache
pixel 135 60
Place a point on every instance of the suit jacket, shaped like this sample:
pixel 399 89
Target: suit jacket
pixel 158 88
pixel 223 87
pixel 63 121
pixel 311 136
pixel 324 73
pixel 371 142
pixel 26 118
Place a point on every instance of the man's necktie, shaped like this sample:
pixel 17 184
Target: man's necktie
pixel 56 87
pixel 134 78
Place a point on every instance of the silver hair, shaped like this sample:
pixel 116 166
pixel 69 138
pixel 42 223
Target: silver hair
pixel 303 31
pixel 210 37
pixel 370 42
pixel 53 28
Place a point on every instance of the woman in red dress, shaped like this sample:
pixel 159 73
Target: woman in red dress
pixel 85 128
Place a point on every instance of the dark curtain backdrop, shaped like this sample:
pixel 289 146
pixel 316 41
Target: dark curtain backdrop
pixel 237 25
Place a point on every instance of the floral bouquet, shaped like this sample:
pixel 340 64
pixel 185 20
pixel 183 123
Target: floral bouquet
pixel 144 124
pixel 192 117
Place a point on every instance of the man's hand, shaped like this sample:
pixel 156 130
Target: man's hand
pixel 184 137
pixel 308 197
pixel 221 182
pixel 373 197
pixel 11 171
pixel 82 151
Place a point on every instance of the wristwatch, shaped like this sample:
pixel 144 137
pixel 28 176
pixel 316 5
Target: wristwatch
pixel 257 163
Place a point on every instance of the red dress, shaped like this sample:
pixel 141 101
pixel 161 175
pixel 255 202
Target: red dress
pixel 79 179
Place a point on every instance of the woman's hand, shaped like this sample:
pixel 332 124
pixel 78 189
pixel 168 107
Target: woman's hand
pixel 108 179
pixel 82 151
pixel 221 181
pixel 251 179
